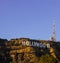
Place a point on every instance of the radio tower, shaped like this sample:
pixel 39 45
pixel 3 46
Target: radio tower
pixel 53 37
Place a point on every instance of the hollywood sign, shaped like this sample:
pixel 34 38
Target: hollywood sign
pixel 36 44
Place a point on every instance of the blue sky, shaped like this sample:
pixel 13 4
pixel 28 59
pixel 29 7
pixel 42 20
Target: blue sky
pixel 29 18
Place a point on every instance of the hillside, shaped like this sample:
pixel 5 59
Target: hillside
pixel 25 50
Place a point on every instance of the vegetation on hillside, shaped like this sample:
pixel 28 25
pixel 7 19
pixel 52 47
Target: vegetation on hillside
pixel 13 52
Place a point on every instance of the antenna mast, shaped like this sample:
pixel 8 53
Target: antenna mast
pixel 53 38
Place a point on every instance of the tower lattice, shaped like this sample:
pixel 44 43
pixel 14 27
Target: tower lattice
pixel 53 37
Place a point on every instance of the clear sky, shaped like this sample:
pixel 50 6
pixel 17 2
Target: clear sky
pixel 29 18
